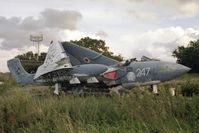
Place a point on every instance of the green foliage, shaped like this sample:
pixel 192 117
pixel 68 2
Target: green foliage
pixel 35 109
pixel 139 111
pixel 98 46
pixel 188 56
pixel 31 56
pixel 30 62
pixel 190 89
pixel 8 82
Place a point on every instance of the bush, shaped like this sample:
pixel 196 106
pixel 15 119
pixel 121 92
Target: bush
pixel 8 82
pixel 190 89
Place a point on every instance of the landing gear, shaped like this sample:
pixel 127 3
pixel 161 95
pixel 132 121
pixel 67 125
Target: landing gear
pixel 172 91
pixel 57 88
pixel 154 89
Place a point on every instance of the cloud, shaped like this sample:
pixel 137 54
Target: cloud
pixel 102 34
pixel 143 15
pixel 76 35
pixel 181 8
pixel 161 9
pixel 61 19
pixel 172 9
pixel 15 31
pixel 5 55
pixel 158 43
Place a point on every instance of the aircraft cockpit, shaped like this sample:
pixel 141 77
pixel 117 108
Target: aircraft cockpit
pixel 129 61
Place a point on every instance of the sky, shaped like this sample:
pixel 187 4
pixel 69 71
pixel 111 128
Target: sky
pixel 132 28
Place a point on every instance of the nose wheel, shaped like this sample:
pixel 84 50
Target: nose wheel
pixel 57 88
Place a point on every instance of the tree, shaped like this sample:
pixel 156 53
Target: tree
pixel 30 62
pixel 98 46
pixel 31 56
pixel 188 56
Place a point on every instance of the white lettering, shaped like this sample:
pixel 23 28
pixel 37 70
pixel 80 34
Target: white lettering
pixel 143 72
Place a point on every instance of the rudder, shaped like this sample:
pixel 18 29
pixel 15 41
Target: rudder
pixel 18 72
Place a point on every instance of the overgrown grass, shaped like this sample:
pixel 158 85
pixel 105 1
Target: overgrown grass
pixel 8 82
pixel 22 110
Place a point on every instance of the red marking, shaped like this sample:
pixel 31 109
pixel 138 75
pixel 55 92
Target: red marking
pixel 110 75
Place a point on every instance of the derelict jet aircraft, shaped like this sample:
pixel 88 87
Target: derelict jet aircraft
pixel 71 67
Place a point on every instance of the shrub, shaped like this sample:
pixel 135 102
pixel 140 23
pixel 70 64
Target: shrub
pixel 190 89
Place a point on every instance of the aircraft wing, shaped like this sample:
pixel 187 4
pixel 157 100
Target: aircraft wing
pixel 56 59
pixel 80 55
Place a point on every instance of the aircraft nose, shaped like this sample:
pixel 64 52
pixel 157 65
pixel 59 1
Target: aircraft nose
pixel 182 69
pixel 177 69
pixel 170 71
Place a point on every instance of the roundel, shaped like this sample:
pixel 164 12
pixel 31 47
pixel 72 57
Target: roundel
pixel 131 76
pixel 86 60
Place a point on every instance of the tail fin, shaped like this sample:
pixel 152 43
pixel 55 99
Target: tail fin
pixel 18 72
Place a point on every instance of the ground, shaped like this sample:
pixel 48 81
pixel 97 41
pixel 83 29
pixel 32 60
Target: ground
pixel 35 109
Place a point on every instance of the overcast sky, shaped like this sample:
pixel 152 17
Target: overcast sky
pixel 130 27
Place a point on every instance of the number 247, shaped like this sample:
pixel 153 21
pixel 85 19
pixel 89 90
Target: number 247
pixel 143 72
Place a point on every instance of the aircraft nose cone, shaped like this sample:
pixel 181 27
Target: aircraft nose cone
pixel 178 70
pixel 170 71
pixel 183 69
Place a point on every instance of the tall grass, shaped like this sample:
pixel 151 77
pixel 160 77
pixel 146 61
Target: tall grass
pixel 35 109
pixel 8 82
pixel 139 111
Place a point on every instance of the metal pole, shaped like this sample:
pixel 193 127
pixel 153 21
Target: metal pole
pixel 38 39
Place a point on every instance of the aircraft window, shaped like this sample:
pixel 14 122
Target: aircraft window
pixel 86 60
